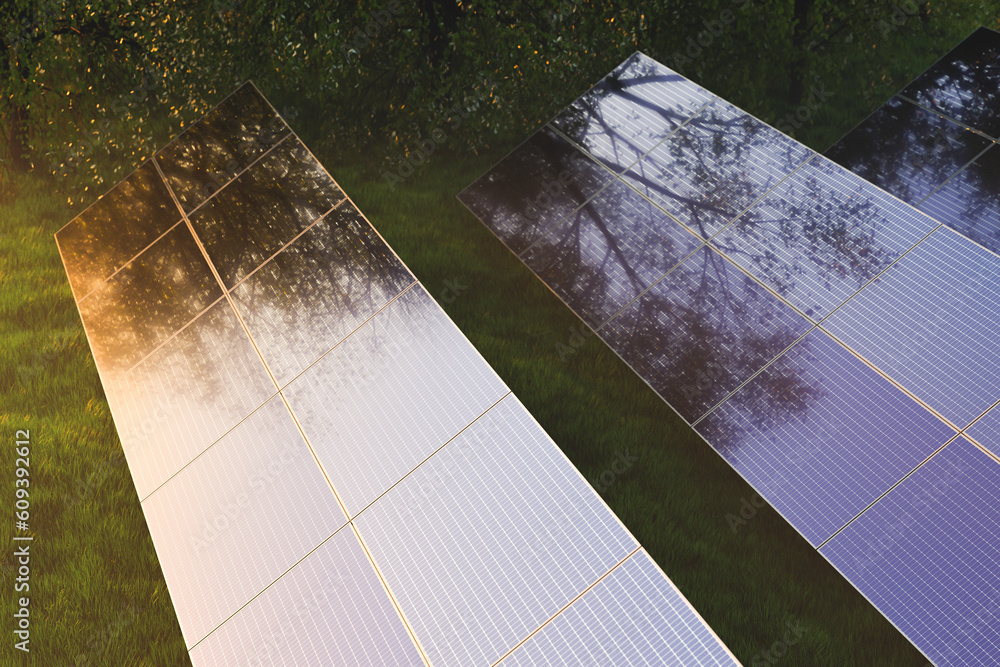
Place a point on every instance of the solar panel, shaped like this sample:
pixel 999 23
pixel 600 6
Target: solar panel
pixel 825 337
pixel 915 324
pixel 324 461
pixel 642 603
pixel 927 556
pixel 970 201
pixel 986 431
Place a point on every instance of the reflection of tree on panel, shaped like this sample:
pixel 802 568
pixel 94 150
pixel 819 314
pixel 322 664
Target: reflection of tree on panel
pixel 965 84
pixel 701 331
pixel 214 150
pixel 112 231
pixel 970 202
pixel 265 208
pixel 906 150
pixel 316 291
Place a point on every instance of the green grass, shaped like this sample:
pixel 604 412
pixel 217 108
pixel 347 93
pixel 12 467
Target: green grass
pixel 98 596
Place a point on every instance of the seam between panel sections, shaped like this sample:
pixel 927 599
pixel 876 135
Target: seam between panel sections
pixel 886 492
pixel 267 368
pixel 818 325
pixel 948 180
pixel 951 119
pixel 242 171
pixel 282 248
pixel 261 591
pixel 615 176
pixel 567 606
pixel 707 241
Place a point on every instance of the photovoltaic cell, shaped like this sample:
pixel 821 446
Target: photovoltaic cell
pixel 263 209
pixel 543 181
pixel 927 556
pixel 630 111
pixel 907 150
pixel 147 301
pixel 986 431
pixel 239 516
pixel 820 235
pixel 965 84
pixel 820 435
pixel 214 150
pixel 390 395
pixel 700 332
pixel 319 289
pixel 243 497
pixel 115 228
pixel 330 609
pixel 970 202
pixel 606 253
pixel 929 322
pixel 710 170
pixel 501 528
pixel 186 395
pixel 653 625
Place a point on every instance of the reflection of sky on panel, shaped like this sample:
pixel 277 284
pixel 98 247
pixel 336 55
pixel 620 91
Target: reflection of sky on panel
pixel 927 556
pixel 212 151
pixel 965 84
pixel 388 396
pixel 264 209
pixel 318 290
pixel 930 323
pixel 602 256
pixel 634 616
pixel 906 150
pixel 237 517
pixel 181 399
pixel 714 167
pixel 986 431
pixel 501 528
pixel 147 301
pixel 330 609
pixel 970 202
pixel 115 228
pixel 701 331
pixel 630 111
pixel 821 235
pixel 821 435
pixel 542 181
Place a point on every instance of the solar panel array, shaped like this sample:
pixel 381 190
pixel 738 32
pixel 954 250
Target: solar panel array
pixel 836 346
pixel 330 472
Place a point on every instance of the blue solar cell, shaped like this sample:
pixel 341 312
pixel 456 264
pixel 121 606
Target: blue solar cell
pixel 820 235
pixel 716 166
pixel 606 253
pixel 700 332
pixel 489 538
pixel 927 557
pixel 986 431
pixel 650 624
pixel 630 111
pixel 821 435
pixel 930 322
pixel 970 201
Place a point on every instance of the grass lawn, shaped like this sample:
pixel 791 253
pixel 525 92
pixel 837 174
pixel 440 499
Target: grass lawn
pixel 97 592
